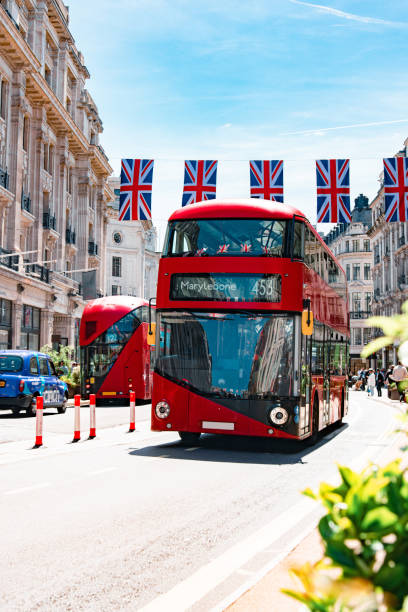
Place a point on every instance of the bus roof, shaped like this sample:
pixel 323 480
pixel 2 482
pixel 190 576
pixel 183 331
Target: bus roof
pixel 247 208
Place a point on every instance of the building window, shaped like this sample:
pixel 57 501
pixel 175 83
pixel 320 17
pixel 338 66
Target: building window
pixel 50 159
pixel 355 246
pixel 47 75
pixel 30 328
pixel 367 246
pixel 69 180
pixel 45 156
pixel 25 134
pixel 366 335
pixel 368 297
pixel 116 266
pixel 356 271
pixel 347 246
pixel 3 100
pixel 117 237
pixel 357 336
pixel 5 324
pixel 348 272
pixel 116 290
pixel 356 297
pixel 367 272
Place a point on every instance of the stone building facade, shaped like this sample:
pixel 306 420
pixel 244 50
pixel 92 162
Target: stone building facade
pixel 351 245
pixel 390 272
pixel 132 261
pixel 53 177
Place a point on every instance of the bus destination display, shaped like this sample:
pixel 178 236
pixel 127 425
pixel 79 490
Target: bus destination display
pixel 226 287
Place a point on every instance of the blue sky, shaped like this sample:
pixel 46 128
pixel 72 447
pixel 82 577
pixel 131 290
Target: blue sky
pixel 252 79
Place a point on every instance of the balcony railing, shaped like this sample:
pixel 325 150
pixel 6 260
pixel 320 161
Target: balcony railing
pixel 25 202
pixel 92 248
pixel 70 236
pixel 360 314
pixel 49 221
pixel 10 262
pixel 37 271
pixel 4 178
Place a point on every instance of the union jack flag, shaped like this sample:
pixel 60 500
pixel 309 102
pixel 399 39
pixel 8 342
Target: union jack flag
pixel 396 188
pixel 200 180
pixel 245 247
pixel 135 199
pixel 223 248
pixel 266 178
pixel 333 190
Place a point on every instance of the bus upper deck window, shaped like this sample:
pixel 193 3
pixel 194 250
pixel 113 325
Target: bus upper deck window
pixel 299 240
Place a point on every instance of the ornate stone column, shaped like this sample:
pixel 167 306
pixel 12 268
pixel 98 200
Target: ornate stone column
pixel 47 324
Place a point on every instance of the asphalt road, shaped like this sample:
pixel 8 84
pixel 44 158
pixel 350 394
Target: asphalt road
pixel 136 520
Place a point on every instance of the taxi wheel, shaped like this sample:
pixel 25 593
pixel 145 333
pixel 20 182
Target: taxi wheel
pixel 63 408
pixel 15 411
pixel 32 408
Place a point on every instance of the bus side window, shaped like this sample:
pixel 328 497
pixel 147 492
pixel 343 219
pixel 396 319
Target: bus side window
pixel 299 240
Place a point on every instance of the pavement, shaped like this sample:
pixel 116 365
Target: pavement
pixel 263 593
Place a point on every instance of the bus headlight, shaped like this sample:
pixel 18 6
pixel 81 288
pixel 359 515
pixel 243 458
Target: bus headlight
pixel 162 410
pixel 278 415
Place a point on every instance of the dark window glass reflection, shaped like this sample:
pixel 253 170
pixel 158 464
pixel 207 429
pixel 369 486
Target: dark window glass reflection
pixel 240 355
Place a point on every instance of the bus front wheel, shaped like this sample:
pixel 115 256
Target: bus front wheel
pixel 189 437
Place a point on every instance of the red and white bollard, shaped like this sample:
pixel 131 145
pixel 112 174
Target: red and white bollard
pixel 39 421
pixel 132 398
pixel 77 423
pixel 92 417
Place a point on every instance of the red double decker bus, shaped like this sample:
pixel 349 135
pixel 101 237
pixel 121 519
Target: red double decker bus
pixel 231 351
pixel 115 356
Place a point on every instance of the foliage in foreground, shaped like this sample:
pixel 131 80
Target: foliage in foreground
pixel 365 530
pixel 365 539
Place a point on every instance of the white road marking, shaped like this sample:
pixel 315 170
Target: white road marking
pixel 41 485
pixel 193 448
pixel 195 587
pixel 102 471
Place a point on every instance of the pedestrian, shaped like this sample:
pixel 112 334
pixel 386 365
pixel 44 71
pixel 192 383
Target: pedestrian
pixel 399 374
pixel 379 382
pixel 363 380
pixel 370 382
pixel 63 369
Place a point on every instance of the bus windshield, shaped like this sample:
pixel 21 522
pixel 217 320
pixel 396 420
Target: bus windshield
pixel 98 357
pixel 223 237
pixel 235 355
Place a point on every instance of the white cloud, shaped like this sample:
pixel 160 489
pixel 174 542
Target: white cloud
pixel 351 16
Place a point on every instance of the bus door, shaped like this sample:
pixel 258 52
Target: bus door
pixel 337 371
pixel 305 384
pixel 326 378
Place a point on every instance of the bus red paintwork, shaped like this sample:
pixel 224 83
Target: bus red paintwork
pixel 115 356
pixel 322 396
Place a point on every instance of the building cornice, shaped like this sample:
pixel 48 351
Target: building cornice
pixel 13 46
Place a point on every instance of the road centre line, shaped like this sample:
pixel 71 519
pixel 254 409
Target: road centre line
pixel 41 485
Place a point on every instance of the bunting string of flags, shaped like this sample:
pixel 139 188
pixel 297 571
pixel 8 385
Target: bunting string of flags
pixel 266 181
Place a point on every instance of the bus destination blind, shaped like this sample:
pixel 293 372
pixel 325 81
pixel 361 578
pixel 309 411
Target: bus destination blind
pixel 224 287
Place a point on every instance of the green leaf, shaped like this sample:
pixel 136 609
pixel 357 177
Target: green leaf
pixel 340 555
pixel 378 519
pixel 309 493
pixel 391 578
pixel 376 345
pixel 349 477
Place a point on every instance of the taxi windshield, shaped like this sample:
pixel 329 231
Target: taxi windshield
pixel 10 363
pixel 223 237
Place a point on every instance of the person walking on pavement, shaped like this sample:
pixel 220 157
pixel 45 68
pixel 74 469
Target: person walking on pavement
pixel 399 374
pixel 379 382
pixel 370 382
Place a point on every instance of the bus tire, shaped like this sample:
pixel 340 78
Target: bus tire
pixel 311 441
pixel 189 437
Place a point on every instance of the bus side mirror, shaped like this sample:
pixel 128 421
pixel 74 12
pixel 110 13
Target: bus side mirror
pixel 307 322
pixel 151 334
